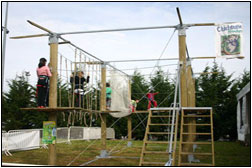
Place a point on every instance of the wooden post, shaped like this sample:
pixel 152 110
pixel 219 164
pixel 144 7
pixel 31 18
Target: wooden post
pixel 187 91
pixel 103 107
pixel 190 102
pixel 182 59
pixel 129 128
pixel 53 92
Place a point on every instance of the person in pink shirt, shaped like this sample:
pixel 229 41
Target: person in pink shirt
pixel 43 73
pixel 150 97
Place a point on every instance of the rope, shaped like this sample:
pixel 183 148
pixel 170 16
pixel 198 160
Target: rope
pixel 85 121
pixel 91 143
pixel 68 96
pixel 86 163
pixel 69 119
pixel 84 96
pixel 74 78
pixel 60 87
pixel 71 63
pixel 163 51
pixel 110 152
pixel 96 94
pixel 87 97
pixel 148 67
pixel 79 82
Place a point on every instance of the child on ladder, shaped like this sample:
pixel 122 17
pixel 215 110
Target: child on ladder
pixel 43 73
pixel 150 97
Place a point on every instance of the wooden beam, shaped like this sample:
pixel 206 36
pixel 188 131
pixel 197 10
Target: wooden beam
pixel 40 27
pixel 65 109
pixel 64 42
pixel 204 24
pixel 29 36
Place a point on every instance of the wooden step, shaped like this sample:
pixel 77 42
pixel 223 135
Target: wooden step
pixel 199 143
pixel 197 116
pixel 161 124
pixel 156 152
pixel 193 153
pixel 198 124
pixel 157 142
pixel 196 133
pixel 159 133
pixel 195 164
pixel 154 163
pixel 160 116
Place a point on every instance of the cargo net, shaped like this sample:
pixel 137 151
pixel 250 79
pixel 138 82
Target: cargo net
pixel 120 96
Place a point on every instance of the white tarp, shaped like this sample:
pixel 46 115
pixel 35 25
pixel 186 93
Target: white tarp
pixel 120 96
pixel 229 40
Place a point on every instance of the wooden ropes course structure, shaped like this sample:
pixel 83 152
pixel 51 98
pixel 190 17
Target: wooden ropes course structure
pixel 94 91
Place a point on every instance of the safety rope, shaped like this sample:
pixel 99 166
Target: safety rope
pixel 162 53
pixel 91 143
pixel 110 152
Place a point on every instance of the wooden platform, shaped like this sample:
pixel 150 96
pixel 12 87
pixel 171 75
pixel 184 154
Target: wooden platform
pixel 66 109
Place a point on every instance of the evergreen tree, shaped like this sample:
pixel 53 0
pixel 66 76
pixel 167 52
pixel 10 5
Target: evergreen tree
pixel 20 95
pixel 231 104
pixel 139 89
pixel 160 83
pixel 213 90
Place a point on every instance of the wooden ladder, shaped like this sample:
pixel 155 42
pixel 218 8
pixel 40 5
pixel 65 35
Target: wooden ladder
pixel 196 129
pixel 154 152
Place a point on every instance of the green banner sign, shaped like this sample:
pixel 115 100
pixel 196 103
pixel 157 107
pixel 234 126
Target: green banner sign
pixel 49 132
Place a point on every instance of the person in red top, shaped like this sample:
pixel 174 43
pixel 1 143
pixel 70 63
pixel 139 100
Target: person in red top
pixel 43 73
pixel 150 97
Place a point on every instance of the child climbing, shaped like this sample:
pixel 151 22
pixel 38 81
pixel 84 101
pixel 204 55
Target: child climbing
pixel 134 105
pixel 79 82
pixel 43 73
pixel 108 96
pixel 150 97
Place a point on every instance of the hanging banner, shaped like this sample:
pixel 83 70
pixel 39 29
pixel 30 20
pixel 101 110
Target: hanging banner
pixel 49 132
pixel 229 40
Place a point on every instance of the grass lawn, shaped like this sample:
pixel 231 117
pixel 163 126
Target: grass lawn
pixel 226 154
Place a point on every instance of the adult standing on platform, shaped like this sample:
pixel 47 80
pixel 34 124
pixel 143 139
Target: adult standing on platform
pixel 43 73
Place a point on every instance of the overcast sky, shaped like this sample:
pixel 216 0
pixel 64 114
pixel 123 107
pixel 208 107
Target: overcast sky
pixel 24 54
